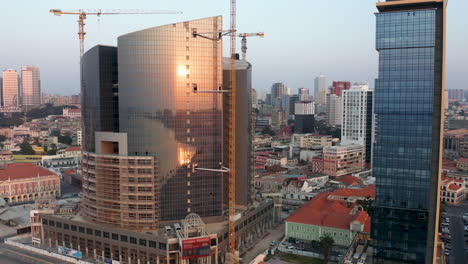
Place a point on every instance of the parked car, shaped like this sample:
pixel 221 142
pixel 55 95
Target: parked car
pixel 447 252
pixel 273 243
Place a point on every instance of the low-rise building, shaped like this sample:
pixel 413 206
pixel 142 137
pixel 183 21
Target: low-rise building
pixel 342 160
pixel 21 182
pixel 69 112
pixel 452 191
pixel 462 164
pixel 321 216
pixel 311 141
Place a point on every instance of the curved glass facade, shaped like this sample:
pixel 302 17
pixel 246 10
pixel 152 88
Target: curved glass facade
pixel 162 116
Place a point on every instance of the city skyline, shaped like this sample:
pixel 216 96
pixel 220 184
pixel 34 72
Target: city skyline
pixel 315 30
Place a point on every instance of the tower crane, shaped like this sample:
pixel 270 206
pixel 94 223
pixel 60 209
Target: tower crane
pixel 244 41
pixel 83 13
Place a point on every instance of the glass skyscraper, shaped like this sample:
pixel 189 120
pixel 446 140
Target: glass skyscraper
pixel 408 106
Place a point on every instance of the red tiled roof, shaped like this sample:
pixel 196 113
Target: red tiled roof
pixel 70 172
pixel 449 164
pixel 323 212
pixel 368 191
pixel 348 179
pixel 462 160
pixel 73 148
pixel 454 187
pixel 16 171
pixel 73 110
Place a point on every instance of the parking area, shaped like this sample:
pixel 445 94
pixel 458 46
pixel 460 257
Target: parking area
pixel 454 229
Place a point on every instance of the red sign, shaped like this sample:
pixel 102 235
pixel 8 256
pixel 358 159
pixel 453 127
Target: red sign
pixel 196 247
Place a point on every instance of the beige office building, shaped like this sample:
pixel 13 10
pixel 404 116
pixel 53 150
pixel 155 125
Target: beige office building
pixel 30 86
pixel 10 89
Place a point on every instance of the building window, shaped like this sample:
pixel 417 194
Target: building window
pixel 66 226
pixel 59 225
pixel 133 240
pixel 142 242
pixel 89 231
pixel 51 223
pixel 97 233
pixel 152 244
pixel 115 236
pixel 162 246
pixel 81 229
pixel 105 234
pixel 123 238
pixel 73 228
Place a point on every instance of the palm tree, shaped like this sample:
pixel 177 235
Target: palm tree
pixel 326 244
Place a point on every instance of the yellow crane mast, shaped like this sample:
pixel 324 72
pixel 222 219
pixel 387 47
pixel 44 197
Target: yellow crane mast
pixel 244 42
pixel 83 13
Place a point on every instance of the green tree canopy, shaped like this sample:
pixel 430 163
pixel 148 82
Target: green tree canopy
pixel 26 149
pixel 326 244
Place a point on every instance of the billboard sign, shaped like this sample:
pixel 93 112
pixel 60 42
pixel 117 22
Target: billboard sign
pixel 70 252
pixel 196 247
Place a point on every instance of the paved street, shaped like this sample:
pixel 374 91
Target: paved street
pixel 274 234
pixel 14 255
pixel 457 231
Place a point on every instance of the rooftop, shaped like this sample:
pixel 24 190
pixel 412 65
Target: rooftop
pixel 349 180
pixel 321 211
pixel 16 171
pixel 368 191
pixel 73 148
pixel 456 132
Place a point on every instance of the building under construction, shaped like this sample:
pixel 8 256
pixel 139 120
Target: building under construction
pixel 152 188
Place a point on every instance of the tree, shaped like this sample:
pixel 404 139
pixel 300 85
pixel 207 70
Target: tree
pixel 3 138
pixel 65 140
pixel 36 142
pixel 26 149
pixel 55 133
pixel 366 205
pixel 326 244
pixel 268 131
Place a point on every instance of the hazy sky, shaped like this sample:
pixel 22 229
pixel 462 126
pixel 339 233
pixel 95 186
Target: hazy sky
pixel 303 38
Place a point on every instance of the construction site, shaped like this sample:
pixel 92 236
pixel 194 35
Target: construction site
pixel 167 149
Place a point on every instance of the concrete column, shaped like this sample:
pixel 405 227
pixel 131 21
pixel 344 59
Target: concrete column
pixel 94 253
pixel 157 259
pixel 129 258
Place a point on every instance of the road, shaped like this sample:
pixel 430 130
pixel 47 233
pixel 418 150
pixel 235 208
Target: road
pixel 274 234
pixel 457 231
pixel 14 255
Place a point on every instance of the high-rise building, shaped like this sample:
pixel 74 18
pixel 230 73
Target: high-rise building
pixel 244 132
pixel 320 89
pixel 304 117
pixel 10 94
pixel 164 119
pixel 30 86
pixel 304 94
pixel 339 86
pixel 254 98
pixel 292 101
pixel 278 90
pixel 409 128
pixel 334 110
pixel 456 95
pixel 357 123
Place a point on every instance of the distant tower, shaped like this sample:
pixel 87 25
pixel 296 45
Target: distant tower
pixel 358 119
pixel 304 94
pixel 30 86
pixel 320 89
pixel 339 86
pixel 334 110
pixel 10 95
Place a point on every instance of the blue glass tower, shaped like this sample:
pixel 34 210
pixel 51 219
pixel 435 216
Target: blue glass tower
pixel 407 147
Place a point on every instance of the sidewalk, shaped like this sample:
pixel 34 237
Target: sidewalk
pixel 277 233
